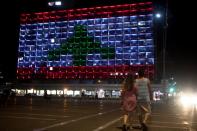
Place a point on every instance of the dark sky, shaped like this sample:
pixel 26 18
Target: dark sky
pixel 181 40
pixel 181 45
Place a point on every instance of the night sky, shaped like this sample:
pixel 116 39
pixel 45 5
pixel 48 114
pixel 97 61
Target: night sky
pixel 181 40
pixel 181 45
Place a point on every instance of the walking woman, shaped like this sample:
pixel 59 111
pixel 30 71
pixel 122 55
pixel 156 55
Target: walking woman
pixel 128 97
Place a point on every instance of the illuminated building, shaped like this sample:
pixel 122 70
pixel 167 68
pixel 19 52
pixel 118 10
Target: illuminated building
pixel 105 42
pixel 100 42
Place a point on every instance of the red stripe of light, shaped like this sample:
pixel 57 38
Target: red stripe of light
pixel 83 72
pixel 84 13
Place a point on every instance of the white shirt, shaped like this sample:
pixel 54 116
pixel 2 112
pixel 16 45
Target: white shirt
pixel 143 91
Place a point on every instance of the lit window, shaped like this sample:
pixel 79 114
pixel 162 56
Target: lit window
pixel 21 58
pixel 141 23
pixel 53 92
pixel 70 92
pixel 50 3
pixel 76 93
pixel 52 40
pixel 58 3
pixel 51 68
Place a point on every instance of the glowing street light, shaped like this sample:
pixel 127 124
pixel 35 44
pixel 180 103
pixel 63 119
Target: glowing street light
pixel 164 17
pixel 158 15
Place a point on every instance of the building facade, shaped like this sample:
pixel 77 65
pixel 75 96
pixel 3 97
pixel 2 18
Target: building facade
pixel 97 43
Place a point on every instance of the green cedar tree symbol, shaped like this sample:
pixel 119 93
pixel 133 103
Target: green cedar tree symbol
pixel 80 45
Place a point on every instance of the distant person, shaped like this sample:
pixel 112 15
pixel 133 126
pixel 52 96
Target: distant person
pixel 82 94
pixel 128 97
pixel 46 96
pixel 96 96
pixel 144 98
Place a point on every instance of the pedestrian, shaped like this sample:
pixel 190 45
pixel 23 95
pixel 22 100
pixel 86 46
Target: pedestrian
pixel 128 97
pixel 144 98
pixel 46 96
pixel 96 96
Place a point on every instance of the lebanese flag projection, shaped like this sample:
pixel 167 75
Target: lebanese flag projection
pixel 87 43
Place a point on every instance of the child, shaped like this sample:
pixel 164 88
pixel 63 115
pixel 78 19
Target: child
pixel 128 95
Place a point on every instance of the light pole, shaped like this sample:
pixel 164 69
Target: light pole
pixel 158 18
pixel 165 40
pixel 164 17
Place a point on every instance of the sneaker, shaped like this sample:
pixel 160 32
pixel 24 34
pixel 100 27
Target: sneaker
pixel 144 127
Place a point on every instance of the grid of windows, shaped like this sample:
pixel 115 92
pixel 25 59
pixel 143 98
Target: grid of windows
pixel 86 40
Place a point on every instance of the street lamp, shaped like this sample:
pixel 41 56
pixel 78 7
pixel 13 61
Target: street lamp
pixel 158 15
pixel 164 27
pixel 165 40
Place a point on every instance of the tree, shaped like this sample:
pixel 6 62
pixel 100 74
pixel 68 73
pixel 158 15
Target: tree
pixel 80 45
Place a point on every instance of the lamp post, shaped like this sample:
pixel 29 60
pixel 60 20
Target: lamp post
pixel 165 40
pixel 164 18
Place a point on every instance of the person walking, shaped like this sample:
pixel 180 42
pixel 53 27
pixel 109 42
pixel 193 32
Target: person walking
pixel 128 97
pixel 144 98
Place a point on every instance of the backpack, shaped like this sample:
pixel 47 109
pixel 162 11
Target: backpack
pixel 129 101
